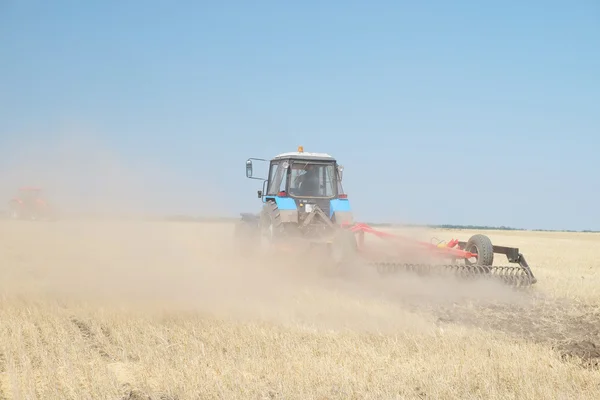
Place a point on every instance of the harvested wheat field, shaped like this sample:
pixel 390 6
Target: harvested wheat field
pixel 153 310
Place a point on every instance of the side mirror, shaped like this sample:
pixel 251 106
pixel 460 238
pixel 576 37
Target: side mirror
pixel 249 169
pixel 341 171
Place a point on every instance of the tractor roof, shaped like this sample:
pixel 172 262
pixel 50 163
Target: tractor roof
pixel 302 155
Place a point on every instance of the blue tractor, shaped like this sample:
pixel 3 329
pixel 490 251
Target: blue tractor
pixel 303 202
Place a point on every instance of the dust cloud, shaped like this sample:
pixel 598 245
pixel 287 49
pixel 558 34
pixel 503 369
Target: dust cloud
pixel 83 175
pixel 162 267
pixel 101 252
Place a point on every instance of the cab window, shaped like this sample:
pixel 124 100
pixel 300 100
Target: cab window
pixel 309 179
pixel 277 177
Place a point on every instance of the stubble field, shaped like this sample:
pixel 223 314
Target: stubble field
pixel 139 310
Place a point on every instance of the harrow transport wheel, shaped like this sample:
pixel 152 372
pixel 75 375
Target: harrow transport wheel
pixel 482 246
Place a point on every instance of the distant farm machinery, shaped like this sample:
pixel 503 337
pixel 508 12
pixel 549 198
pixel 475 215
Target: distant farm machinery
pixel 305 206
pixel 30 203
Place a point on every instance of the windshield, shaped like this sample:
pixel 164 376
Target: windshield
pixel 313 179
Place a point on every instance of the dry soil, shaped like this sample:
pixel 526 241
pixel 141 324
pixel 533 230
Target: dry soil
pixel 154 310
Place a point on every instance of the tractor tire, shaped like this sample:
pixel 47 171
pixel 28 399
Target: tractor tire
pixel 345 261
pixel 271 228
pixel 482 246
pixel 344 250
pixel 343 247
pixel 246 238
pixel 13 211
pixel 14 214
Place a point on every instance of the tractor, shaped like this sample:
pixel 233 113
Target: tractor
pixel 303 204
pixel 30 203
pixel 305 207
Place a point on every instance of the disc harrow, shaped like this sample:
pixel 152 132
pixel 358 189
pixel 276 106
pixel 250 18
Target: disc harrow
pixel 511 275
pixel 477 256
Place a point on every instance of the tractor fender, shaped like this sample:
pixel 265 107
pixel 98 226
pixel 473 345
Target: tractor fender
pixel 288 211
pixel 340 211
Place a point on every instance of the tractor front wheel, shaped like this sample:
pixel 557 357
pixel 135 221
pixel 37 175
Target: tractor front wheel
pixel 246 237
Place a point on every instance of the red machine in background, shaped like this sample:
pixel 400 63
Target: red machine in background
pixel 30 203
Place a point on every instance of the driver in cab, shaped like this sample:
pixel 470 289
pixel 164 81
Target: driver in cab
pixel 308 183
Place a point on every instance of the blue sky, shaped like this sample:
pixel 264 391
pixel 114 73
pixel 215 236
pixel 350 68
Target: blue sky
pixel 465 112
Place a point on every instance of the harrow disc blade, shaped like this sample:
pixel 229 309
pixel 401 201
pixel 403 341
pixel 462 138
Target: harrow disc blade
pixel 510 275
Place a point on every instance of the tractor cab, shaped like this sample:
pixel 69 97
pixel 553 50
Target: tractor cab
pixel 30 203
pixel 30 195
pixel 301 181
pixel 313 176
pixel 301 175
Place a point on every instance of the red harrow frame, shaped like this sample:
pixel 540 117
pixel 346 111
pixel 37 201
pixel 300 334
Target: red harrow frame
pixel 479 247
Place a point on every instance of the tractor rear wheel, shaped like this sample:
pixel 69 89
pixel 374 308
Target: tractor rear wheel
pixel 343 247
pixel 271 227
pixel 343 252
pixel 482 246
pixel 14 210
